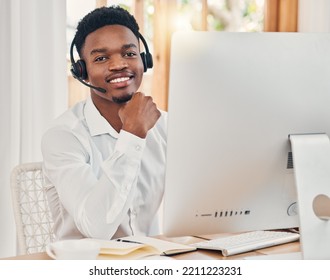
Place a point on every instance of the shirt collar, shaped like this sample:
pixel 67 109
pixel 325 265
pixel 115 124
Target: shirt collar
pixel 96 123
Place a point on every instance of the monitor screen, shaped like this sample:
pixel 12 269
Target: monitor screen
pixel 234 98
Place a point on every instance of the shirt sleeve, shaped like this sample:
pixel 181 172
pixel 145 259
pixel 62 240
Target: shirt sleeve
pixel 97 198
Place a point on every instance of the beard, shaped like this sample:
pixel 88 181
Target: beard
pixel 122 99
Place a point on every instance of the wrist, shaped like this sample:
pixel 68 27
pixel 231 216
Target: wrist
pixel 137 132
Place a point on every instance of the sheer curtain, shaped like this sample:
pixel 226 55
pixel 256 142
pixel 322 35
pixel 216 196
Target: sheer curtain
pixel 314 16
pixel 33 89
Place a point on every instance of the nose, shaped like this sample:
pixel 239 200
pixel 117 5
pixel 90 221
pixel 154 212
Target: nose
pixel 117 63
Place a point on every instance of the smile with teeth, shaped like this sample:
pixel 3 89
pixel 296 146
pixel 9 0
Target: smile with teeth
pixel 119 80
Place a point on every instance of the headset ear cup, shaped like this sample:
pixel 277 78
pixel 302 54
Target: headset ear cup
pixel 146 57
pixel 74 70
pixel 81 65
pixel 78 70
pixel 144 61
pixel 149 60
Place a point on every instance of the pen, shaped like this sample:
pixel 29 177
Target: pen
pixel 128 241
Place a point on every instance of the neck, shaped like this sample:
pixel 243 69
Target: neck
pixel 109 110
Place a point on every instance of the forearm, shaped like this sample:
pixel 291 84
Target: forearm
pixel 96 194
pixel 103 209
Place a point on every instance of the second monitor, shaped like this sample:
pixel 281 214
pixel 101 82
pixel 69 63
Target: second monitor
pixel 233 100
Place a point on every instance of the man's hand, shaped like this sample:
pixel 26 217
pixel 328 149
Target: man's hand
pixel 139 115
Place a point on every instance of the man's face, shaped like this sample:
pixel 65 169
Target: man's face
pixel 113 62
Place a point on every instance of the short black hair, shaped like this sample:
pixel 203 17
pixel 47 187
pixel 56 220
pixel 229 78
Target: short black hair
pixel 101 17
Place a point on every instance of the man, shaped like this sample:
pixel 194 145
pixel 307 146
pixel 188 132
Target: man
pixel 105 156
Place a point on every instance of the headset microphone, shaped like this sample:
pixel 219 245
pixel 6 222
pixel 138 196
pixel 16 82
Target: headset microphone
pixel 89 85
pixel 79 70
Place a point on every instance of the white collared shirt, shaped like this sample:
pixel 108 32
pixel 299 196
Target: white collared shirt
pixel 107 184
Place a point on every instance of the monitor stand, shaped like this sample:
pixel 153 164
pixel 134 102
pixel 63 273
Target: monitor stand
pixel 311 158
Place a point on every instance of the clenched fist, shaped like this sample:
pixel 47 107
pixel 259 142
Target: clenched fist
pixel 139 115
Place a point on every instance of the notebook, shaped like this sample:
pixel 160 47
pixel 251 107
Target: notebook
pixel 139 247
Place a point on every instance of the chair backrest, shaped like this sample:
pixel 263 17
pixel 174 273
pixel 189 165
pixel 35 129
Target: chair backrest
pixel 34 224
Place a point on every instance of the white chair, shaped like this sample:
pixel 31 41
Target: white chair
pixel 34 224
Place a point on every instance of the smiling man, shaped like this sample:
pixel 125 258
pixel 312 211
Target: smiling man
pixel 104 159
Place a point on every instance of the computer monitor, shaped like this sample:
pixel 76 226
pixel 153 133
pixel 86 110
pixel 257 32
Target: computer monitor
pixel 234 98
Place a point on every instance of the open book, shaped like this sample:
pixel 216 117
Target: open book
pixel 138 247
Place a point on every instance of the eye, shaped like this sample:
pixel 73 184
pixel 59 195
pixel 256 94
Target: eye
pixel 100 58
pixel 130 54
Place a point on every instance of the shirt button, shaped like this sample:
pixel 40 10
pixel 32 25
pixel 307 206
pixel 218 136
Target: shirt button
pixel 137 147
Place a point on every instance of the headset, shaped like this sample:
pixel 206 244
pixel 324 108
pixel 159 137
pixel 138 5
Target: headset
pixel 79 70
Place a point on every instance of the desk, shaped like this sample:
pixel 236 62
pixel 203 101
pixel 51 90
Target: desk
pixel 196 255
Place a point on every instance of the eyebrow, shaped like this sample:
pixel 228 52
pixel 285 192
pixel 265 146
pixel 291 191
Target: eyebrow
pixel 103 50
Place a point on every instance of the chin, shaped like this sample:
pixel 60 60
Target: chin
pixel 122 99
